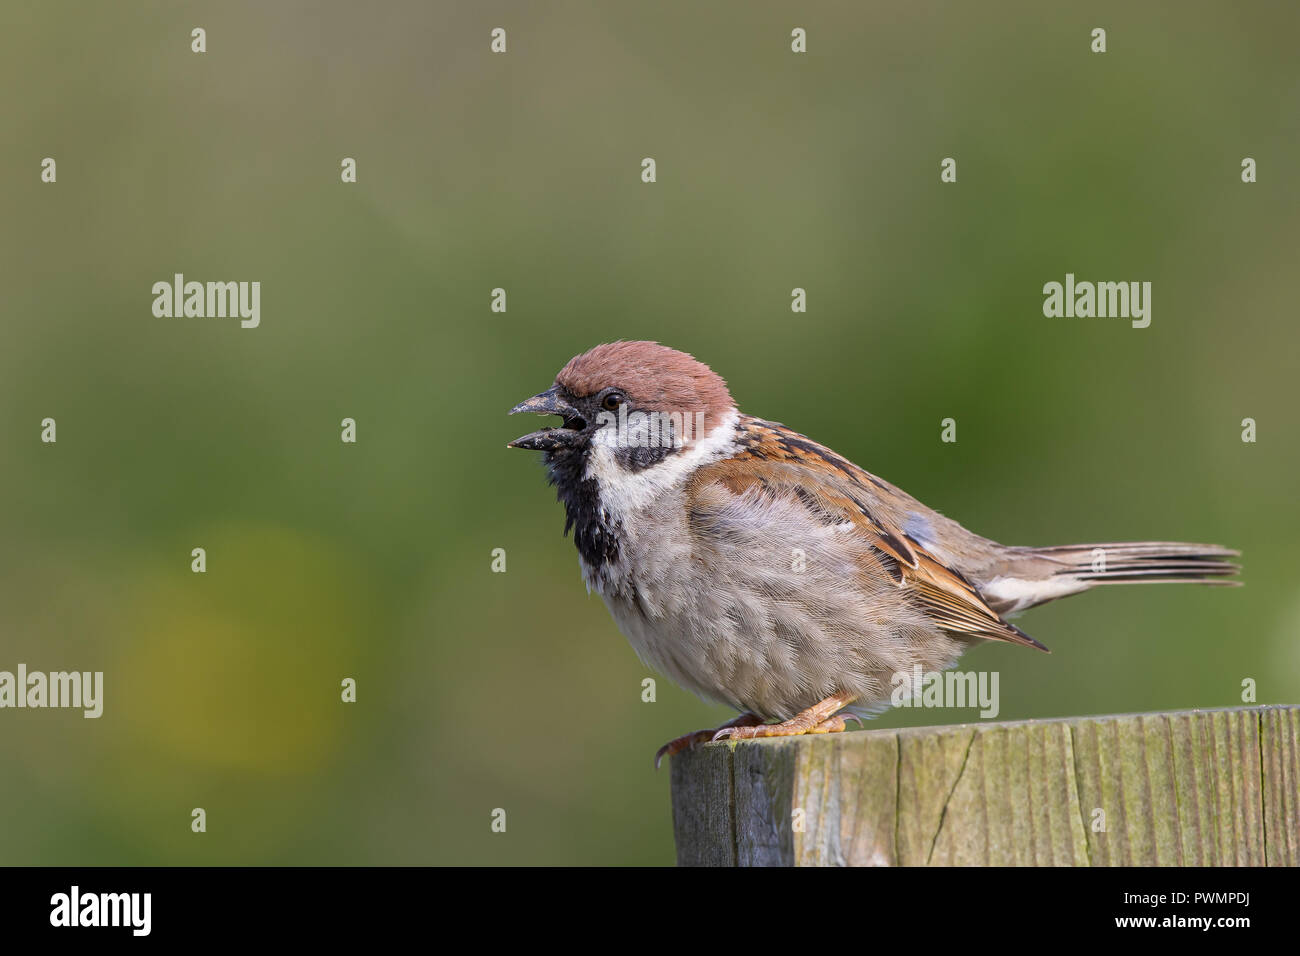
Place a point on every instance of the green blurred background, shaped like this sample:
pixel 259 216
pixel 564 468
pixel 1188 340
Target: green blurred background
pixel 775 170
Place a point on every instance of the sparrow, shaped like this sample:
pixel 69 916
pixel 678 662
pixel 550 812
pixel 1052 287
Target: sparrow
pixel 759 569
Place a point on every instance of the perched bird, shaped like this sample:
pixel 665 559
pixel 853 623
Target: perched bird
pixel 760 569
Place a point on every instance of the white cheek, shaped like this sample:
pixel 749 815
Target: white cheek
pixel 624 492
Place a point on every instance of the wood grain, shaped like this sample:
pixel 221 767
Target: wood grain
pixel 1188 788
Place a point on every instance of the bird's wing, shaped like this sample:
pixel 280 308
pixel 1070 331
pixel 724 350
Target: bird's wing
pixel 777 463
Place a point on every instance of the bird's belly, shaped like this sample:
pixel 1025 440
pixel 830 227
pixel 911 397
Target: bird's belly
pixel 769 614
pixel 683 648
pixel 733 642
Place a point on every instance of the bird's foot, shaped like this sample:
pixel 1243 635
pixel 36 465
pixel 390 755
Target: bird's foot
pixel 820 718
pixel 690 741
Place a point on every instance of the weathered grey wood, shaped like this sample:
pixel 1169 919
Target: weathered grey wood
pixel 1280 733
pixel 702 802
pixel 1195 788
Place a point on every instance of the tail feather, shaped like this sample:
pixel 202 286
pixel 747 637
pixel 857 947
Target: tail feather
pixel 1058 571
pixel 1144 561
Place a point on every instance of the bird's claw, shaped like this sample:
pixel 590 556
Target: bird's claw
pixel 689 741
pixel 685 742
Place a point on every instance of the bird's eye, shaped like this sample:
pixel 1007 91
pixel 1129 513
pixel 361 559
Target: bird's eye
pixel 611 401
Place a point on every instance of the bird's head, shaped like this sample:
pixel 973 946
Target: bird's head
pixel 641 399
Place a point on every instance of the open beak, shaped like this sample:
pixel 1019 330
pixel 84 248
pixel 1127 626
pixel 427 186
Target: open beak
pixel 550 402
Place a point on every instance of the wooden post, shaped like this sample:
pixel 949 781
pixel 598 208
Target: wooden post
pixel 1194 788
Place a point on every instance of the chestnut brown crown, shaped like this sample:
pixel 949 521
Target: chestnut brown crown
pixel 653 376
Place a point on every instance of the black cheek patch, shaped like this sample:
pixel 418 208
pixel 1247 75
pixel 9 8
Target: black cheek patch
pixel 639 459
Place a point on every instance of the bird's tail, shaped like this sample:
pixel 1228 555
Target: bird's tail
pixel 1136 562
pixel 1050 573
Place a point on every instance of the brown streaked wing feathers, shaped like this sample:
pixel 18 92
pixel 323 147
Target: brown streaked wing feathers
pixel 777 462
